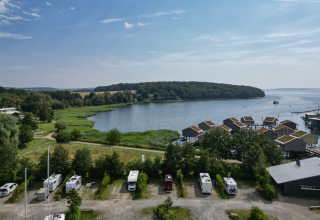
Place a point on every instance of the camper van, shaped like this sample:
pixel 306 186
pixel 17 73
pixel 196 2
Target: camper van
pixel 132 180
pixel 74 182
pixel 7 189
pixel 205 182
pixel 167 183
pixel 230 185
pixel 54 181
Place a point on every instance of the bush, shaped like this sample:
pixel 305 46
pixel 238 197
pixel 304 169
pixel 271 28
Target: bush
pixel 75 134
pixel 61 125
pixel 220 186
pixel 114 136
pixel 269 192
pixel 141 183
pixel 162 210
pixel 257 214
pixel 63 137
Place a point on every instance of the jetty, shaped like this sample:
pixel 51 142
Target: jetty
pixel 306 111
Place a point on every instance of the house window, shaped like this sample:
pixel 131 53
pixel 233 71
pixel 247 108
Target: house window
pixel 310 187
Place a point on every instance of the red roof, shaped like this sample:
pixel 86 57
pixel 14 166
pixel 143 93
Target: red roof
pixel 210 123
pixel 225 127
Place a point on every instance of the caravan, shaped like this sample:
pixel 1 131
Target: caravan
pixel 230 185
pixel 132 180
pixel 74 182
pixel 54 180
pixel 205 182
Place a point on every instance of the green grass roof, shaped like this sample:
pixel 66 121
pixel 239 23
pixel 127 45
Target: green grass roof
pixel 239 124
pixel 225 127
pixel 285 139
pixel 299 133
pixel 261 130
pixel 269 119
pixel 248 118
pixel 234 119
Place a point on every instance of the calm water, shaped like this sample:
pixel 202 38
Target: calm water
pixel 179 115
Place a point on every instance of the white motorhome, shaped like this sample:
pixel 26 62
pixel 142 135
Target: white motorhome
pixel 54 181
pixel 7 189
pixel 205 182
pixel 230 185
pixel 56 216
pixel 74 182
pixel 132 180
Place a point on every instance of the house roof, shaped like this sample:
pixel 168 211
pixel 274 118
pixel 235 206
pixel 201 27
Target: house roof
pixel 281 126
pixel 291 171
pixel 262 130
pixel 225 127
pixel 299 133
pixel 210 123
pixel 269 119
pixel 233 119
pixel 286 121
pixel 238 123
pixel 248 118
pixel 195 128
pixel 285 139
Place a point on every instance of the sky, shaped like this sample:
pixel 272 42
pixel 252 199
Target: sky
pixel 88 43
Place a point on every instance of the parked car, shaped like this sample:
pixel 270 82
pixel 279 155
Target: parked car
pixel 7 189
pixel 167 183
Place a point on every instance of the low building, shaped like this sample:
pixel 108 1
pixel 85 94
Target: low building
pixel 229 120
pixel 305 137
pixel 223 128
pixel 247 120
pixel 9 111
pixel 289 124
pixel 191 131
pixel 270 121
pixel 308 116
pixel 299 179
pixel 314 123
pixel 269 133
pixel 290 143
pixel 237 126
pixel 151 97
pixel 206 125
pixel 283 130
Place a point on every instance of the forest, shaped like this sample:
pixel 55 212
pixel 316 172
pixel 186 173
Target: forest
pixel 188 90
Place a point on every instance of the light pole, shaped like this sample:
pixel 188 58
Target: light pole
pixel 168 203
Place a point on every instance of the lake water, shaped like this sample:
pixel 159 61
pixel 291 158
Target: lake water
pixel 180 115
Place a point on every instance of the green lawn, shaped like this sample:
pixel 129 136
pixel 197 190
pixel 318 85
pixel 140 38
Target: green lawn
pixel 182 213
pixel 35 145
pixel 245 214
pixel 89 215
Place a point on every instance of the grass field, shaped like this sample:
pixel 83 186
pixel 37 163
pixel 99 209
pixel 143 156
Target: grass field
pixel 182 213
pixel 126 155
pixel 83 94
pixel 147 139
pixel 33 145
pixel 245 214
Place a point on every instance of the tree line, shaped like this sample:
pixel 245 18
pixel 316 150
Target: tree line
pixel 188 90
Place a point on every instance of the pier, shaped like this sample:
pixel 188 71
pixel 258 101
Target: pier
pixel 306 111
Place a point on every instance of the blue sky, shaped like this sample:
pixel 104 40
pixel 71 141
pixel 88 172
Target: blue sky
pixel 87 43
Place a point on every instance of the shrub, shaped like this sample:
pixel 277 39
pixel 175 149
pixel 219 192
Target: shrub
pixel 162 210
pixel 220 186
pixel 180 175
pixel 257 214
pixel 61 125
pixel 63 137
pixel 269 192
pixel 75 134
pixel 141 183
pixel 114 136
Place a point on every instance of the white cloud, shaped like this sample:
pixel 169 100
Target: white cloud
pixel 173 12
pixel 111 20
pixel 32 14
pixel 47 3
pixel 5 22
pixel 72 8
pixel 13 18
pixel 141 24
pixel 13 36
pixel 5 6
pixel 127 25
pixel 36 10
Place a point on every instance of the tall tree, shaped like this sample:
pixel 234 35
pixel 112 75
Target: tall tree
pixel 25 135
pixel 29 120
pixel 59 161
pixel 82 161
pixel 74 201
pixel 189 159
pixel 114 166
pixel 172 158
pixel 43 111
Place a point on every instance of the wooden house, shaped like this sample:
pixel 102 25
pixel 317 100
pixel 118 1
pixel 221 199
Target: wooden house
pixel 247 120
pixel 229 120
pixel 306 137
pixel 289 124
pixel 283 130
pixel 299 179
pixel 269 133
pixel 223 128
pixel 290 143
pixel 191 131
pixel 270 121
pixel 206 125
pixel 314 123
pixel 236 126
pixel 309 115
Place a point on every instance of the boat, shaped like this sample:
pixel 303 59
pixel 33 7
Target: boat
pixel 275 102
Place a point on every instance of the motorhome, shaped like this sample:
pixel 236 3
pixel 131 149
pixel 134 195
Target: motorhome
pixel 230 185
pixel 132 180
pixel 54 180
pixel 167 183
pixel 56 216
pixel 205 182
pixel 74 182
pixel 7 189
